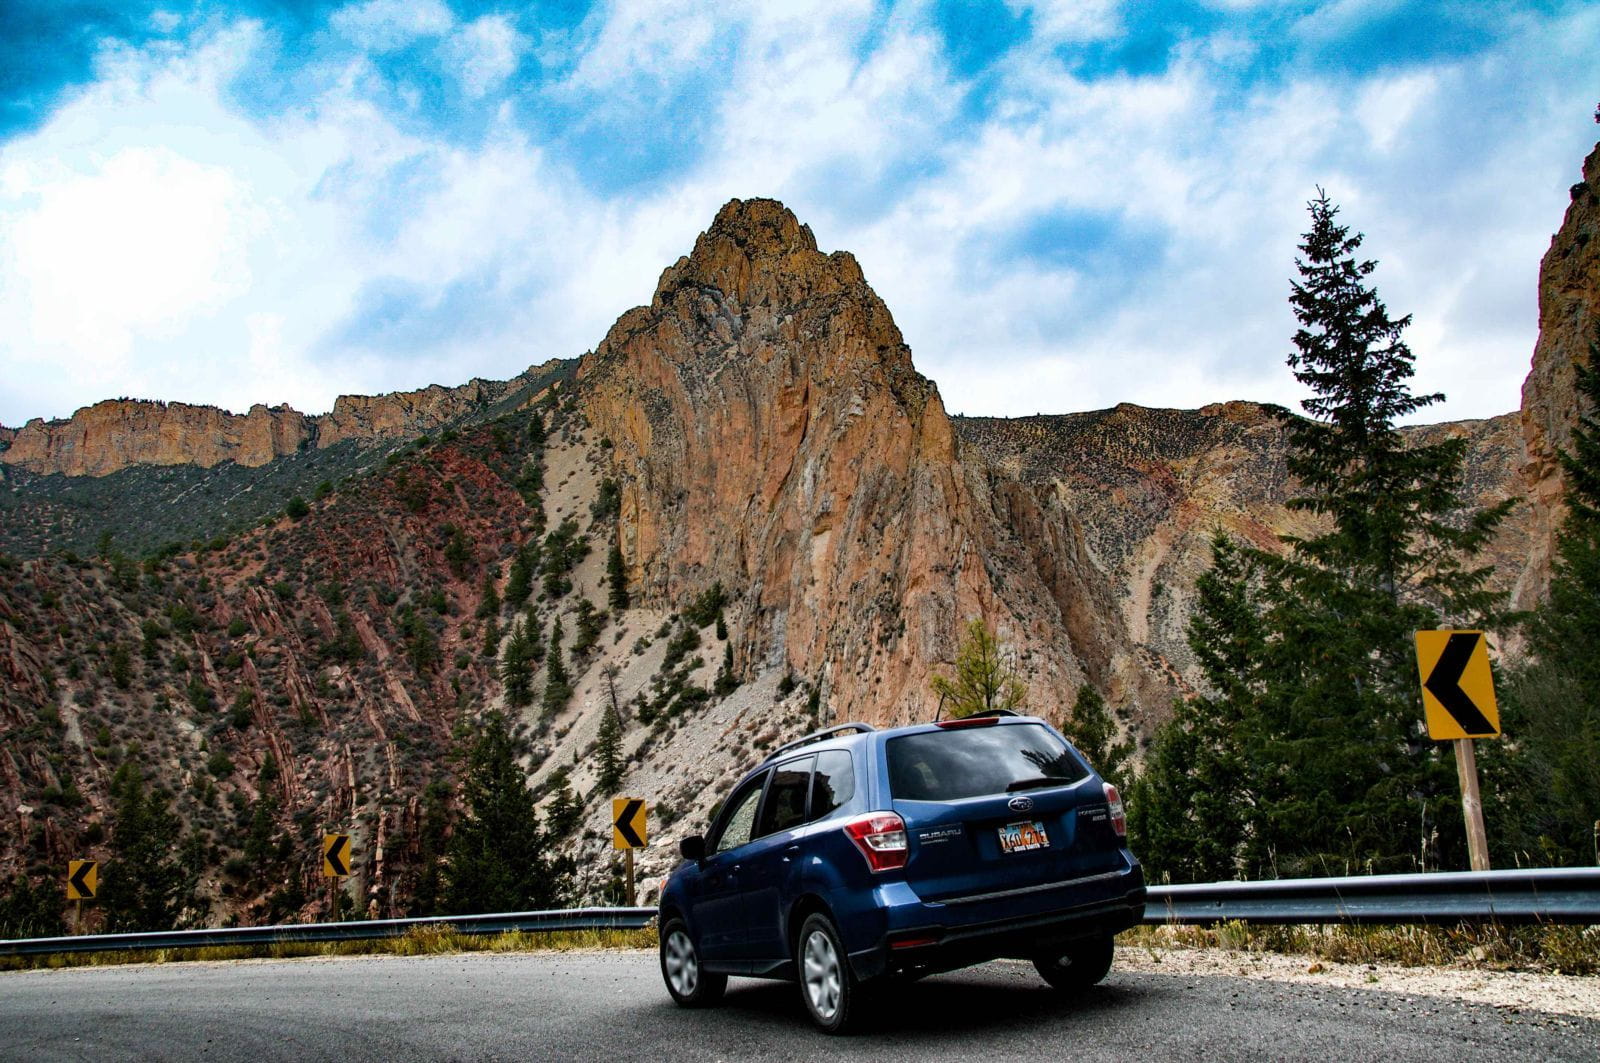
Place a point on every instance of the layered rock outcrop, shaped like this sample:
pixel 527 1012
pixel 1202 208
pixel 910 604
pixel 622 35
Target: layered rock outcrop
pixel 118 433
pixel 1569 321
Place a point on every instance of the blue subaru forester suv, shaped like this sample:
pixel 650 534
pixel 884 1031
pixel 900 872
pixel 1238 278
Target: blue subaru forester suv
pixel 855 853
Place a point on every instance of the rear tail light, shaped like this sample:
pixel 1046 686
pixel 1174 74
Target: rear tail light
pixel 1119 818
pixel 969 721
pixel 881 837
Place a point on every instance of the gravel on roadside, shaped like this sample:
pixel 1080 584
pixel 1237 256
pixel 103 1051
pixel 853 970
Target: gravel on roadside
pixel 1559 994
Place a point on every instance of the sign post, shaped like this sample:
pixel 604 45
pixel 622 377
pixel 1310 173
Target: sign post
pixel 1458 701
pixel 336 866
pixel 628 832
pixel 83 882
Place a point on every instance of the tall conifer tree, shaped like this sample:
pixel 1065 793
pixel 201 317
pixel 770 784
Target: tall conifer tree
pixel 1312 716
pixel 498 856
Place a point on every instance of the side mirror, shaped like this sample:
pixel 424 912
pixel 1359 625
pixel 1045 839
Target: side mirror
pixel 693 848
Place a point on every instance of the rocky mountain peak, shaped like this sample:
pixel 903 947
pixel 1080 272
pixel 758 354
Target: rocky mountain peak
pixel 757 252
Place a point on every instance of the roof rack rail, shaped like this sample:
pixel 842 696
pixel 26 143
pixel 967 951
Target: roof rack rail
pixel 819 736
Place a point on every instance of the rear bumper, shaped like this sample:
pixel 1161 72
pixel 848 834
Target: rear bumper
pixel 923 936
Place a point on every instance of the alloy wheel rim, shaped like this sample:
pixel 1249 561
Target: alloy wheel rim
pixel 683 969
pixel 822 975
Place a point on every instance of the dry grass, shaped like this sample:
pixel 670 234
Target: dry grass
pixel 419 941
pixel 1557 949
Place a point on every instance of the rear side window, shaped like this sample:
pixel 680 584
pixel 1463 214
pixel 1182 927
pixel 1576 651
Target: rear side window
pixel 834 784
pixel 786 797
pixel 977 761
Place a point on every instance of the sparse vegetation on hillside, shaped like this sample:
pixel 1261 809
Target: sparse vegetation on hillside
pixel 294 677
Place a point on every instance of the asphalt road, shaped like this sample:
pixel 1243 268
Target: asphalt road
pixel 612 1006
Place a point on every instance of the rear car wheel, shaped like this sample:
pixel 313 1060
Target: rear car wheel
pixel 826 983
pixel 690 984
pixel 1078 966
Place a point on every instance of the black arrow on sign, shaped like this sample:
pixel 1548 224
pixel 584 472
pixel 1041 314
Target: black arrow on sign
pixel 335 855
pixel 79 880
pixel 1444 683
pixel 624 823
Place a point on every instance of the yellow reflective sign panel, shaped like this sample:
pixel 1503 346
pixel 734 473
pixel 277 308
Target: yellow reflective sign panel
pixel 627 823
pixel 336 855
pixel 1457 685
pixel 83 879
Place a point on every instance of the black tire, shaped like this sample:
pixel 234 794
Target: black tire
pixel 827 986
pixel 1078 966
pixel 690 984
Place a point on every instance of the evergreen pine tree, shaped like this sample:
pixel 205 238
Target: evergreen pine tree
pixel 515 670
pixel 556 684
pixel 1092 730
pixel 488 598
pixel 565 814
pixel 608 753
pixel 149 882
pixel 30 910
pixel 499 859
pixel 616 575
pixel 725 683
pixel 426 898
pixel 458 552
pixel 1312 725
pixel 519 584
pixel 121 666
pixel 1191 809
pixel 1395 510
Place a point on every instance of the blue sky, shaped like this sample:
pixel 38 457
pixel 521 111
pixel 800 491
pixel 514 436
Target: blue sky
pixel 1065 204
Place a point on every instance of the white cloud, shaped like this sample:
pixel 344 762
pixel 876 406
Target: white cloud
pixel 1386 106
pixel 135 247
pixel 654 41
pixel 1072 20
pixel 385 25
pixel 485 53
pixel 252 246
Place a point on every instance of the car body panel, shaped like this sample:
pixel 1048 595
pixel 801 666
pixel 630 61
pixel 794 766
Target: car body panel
pixel 959 899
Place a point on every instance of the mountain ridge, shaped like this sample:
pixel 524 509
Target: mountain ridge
pixel 757 438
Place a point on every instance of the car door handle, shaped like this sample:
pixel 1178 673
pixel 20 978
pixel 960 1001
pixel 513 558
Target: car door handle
pixel 790 853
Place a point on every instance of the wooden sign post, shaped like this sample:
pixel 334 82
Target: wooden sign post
pixel 628 832
pixel 1458 701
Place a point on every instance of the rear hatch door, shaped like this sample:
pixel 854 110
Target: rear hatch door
pixel 997 807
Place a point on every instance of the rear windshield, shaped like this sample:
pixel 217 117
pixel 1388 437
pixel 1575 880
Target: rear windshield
pixel 977 761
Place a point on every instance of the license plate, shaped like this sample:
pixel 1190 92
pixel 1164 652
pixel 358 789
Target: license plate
pixel 1018 837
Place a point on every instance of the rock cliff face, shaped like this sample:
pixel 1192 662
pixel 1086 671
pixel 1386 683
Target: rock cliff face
pixel 1146 490
pixel 771 434
pixel 1569 317
pixel 118 433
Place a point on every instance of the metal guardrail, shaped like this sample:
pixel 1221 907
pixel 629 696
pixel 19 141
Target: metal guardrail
pixel 1543 895
pixel 365 930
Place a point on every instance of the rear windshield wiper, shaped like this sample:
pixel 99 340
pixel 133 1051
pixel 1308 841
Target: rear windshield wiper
pixel 1034 783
